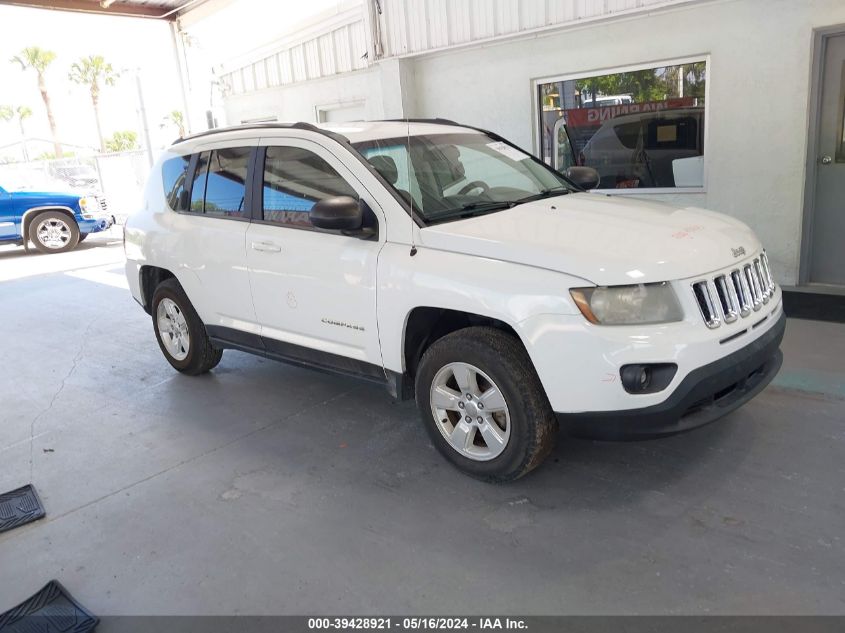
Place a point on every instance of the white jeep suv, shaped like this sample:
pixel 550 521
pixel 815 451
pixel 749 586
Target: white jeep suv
pixel 447 264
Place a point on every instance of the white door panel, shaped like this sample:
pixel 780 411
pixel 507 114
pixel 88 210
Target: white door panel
pixel 317 290
pixel 213 252
pixel 213 236
pixel 312 288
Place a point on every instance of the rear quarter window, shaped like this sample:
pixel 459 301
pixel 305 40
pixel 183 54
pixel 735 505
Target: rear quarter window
pixel 174 173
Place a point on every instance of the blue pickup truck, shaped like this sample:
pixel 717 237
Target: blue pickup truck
pixel 52 222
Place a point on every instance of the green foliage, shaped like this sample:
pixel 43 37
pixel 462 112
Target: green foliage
pixel 647 85
pixel 178 119
pixel 52 155
pixel 122 141
pixel 93 71
pixel 7 113
pixel 36 58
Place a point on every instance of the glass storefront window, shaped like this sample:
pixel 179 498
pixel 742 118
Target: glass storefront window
pixel 639 129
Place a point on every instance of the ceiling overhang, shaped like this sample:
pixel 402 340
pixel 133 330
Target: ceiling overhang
pixel 157 10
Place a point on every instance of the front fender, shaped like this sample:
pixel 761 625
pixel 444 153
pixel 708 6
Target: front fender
pixel 487 287
pixel 33 211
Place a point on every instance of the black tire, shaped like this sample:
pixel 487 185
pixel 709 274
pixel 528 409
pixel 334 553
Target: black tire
pixel 82 237
pixel 68 227
pixel 501 356
pixel 202 356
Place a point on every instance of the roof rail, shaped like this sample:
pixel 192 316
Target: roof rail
pixel 300 125
pixel 435 120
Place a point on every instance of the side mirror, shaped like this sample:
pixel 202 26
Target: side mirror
pixel 341 213
pixel 584 177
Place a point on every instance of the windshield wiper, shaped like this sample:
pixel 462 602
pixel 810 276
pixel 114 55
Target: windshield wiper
pixel 486 206
pixel 546 193
pixel 472 208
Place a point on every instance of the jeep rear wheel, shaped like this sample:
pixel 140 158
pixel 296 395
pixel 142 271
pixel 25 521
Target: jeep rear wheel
pixel 180 332
pixel 483 405
pixel 53 232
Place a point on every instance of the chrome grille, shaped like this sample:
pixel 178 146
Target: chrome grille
pixel 727 298
pixel 735 295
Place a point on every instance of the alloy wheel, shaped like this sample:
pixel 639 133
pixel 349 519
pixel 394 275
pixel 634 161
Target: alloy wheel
pixel 470 411
pixel 53 233
pixel 173 329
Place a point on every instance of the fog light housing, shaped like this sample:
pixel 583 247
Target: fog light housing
pixel 647 377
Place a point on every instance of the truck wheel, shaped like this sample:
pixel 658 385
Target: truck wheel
pixel 53 232
pixel 180 332
pixel 483 405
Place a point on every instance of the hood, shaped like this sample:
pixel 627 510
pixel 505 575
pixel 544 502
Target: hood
pixel 604 239
pixel 37 197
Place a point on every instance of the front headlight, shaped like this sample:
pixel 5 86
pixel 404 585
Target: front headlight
pixel 89 206
pixel 628 305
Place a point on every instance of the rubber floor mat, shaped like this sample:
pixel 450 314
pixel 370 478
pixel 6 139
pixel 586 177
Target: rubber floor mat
pixel 51 610
pixel 18 507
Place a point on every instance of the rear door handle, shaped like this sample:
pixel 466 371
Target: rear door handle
pixel 266 247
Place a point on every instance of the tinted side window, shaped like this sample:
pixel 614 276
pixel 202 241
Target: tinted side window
pixel 198 186
pixel 295 179
pixel 629 134
pixel 225 189
pixel 174 171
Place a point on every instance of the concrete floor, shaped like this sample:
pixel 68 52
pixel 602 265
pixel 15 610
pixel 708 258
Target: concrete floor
pixel 266 489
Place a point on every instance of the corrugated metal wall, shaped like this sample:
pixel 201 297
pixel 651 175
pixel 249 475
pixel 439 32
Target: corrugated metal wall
pixel 340 47
pixel 411 27
pixel 416 26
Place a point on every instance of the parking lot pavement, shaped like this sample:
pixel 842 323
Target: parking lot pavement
pixel 263 488
pixel 98 249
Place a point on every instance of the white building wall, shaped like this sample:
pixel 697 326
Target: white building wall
pixel 336 45
pixel 300 101
pixel 417 26
pixel 759 81
pixel 759 54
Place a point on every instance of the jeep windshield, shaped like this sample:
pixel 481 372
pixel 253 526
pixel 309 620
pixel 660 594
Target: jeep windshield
pixel 458 175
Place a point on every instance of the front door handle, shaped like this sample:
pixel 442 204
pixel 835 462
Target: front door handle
pixel 826 160
pixel 266 247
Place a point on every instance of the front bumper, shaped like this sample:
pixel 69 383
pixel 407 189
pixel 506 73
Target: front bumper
pixel 97 224
pixel 705 394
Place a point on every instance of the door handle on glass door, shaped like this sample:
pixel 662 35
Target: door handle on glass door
pixel 826 160
pixel 267 247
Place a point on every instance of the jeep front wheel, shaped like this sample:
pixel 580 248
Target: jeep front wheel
pixel 53 232
pixel 483 404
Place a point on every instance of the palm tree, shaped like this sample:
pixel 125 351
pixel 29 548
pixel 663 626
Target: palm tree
pixel 122 141
pixel 7 113
pixel 178 119
pixel 23 112
pixel 92 71
pixel 38 59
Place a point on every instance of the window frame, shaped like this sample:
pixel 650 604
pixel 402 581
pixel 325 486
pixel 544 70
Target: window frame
pixel 299 143
pixel 536 111
pixel 188 174
pixel 249 182
pixel 248 190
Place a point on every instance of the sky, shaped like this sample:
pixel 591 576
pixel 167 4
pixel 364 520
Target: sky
pixel 124 42
pixel 129 43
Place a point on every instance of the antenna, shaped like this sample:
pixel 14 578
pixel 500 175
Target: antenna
pixel 411 201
